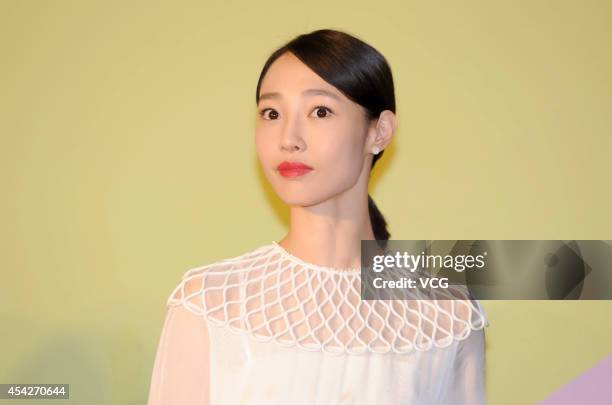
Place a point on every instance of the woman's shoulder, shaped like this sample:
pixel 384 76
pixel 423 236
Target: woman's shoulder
pixel 209 285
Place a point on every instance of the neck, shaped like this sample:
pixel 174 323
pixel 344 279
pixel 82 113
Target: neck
pixel 330 233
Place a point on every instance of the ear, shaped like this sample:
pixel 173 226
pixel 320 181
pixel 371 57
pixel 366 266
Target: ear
pixel 384 130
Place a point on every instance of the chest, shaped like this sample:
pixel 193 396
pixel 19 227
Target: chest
pixel 244 370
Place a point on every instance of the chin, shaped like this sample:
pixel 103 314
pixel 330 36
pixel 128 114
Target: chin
pixel 299 198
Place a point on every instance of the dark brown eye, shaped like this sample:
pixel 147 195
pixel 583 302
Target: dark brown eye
pixel 273 114
pixel 322 112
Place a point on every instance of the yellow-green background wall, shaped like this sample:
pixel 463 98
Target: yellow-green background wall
pixel 127 157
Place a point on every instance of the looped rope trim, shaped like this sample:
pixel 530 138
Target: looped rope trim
pixel 233 292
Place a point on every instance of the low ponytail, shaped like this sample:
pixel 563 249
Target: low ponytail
pixel 379 224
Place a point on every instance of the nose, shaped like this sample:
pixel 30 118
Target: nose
pixel 291 137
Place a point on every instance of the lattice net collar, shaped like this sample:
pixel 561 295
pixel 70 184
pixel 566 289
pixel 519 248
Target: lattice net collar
pixel 272 295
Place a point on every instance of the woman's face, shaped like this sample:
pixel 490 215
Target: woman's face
pixel 304 119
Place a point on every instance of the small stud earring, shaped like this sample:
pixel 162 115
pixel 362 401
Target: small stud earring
pixel 376 150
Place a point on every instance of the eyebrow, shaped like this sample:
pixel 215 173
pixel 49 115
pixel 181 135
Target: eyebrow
pixel 307 92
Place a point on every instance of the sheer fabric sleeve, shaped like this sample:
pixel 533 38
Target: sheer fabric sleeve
pixel 467 382
pixel 181 369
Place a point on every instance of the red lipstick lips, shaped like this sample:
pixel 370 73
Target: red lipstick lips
pixel 293 169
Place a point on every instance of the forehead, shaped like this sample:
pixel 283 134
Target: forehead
pixel 288 74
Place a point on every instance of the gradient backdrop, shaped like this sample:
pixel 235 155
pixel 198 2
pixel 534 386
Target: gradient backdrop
pixel 127 157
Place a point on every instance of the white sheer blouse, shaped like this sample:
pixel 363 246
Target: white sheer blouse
pixel 268 328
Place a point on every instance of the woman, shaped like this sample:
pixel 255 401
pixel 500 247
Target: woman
pixel 284 323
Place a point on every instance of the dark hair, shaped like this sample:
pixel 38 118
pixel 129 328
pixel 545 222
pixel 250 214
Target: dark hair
pixel 358 71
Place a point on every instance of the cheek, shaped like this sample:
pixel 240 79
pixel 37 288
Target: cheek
pixel 340 154
pixel 264 147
